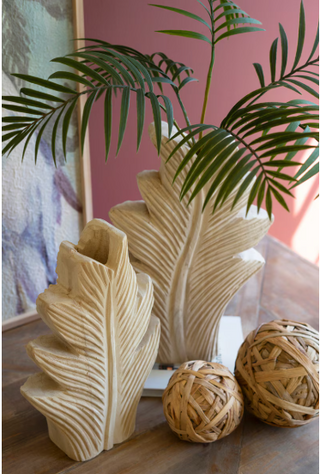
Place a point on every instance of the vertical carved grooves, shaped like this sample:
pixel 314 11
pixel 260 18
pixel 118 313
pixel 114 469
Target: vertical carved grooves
pixel 197 261
pixel 136 374
pixel 187 225
pixel 111 370
pixel 103 345
pixel 178 297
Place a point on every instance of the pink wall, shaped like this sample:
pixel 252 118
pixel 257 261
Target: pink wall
pixel 132 23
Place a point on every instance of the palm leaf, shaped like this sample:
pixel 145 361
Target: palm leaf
pixel 70 76
pixel 273 59
pixel 301 35
pixel 141 114
pixel 315 44
pixel 183 12
pixel 237 21
pixel 169 112
pixel 269 202
pixel 254 191
pixel 15 141
pixel 284 50
pixel 312 158
pixel 309 174
pixel 106 55
pixel 261 194
pixel 22 110
pixel 157 118
pixel 13 126
pixel 40 95
pixel 165 80
pixel 108 120
pixel 85 117
pixel 186 81
pixel 54 135
pixel 279 198
pixel 260 74
pixel 78 66
pixel 44 83
pixel 186 34
pixel 38 140
pixel 238 31
pixel 28 102
pixel 65 125
pixel 30 135
pixel 124 112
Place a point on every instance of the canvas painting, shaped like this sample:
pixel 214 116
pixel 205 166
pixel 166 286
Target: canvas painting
pixel 42 204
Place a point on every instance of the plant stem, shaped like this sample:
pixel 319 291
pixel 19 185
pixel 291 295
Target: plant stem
pixel 208 84
pixel 183 109
pixel 184 112
pixel 209 75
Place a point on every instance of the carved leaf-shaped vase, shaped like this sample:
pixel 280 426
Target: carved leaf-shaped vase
pixel 103 346
pixel 197 261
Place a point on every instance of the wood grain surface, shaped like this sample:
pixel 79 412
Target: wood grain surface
pixel 287 287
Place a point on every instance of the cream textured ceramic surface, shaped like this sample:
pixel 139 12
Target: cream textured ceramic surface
pixel 197 261
pixel 103 346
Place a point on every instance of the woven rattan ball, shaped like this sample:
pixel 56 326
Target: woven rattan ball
pixel 202 402
pixel 277 368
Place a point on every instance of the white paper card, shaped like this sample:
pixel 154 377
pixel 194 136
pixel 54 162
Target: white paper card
pixel 229 341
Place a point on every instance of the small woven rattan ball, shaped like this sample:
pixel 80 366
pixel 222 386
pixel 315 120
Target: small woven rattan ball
pixel 202 402
pixel 277 368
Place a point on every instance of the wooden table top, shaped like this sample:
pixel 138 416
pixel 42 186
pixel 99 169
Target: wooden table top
pixel 287 287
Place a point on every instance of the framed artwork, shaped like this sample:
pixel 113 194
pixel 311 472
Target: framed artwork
pixel 42 205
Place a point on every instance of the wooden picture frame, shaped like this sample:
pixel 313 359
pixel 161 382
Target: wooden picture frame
pixel 79 32
pixel 85 167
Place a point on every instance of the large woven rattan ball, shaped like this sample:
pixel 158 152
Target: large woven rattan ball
pixel 202 402
pixel 278 370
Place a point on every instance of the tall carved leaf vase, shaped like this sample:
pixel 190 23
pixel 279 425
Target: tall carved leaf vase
pixel 103 346
pixel 197 261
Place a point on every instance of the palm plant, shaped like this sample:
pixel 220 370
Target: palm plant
pixel 257 139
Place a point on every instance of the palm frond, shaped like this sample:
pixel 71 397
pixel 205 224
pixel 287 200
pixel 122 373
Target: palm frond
pixel 101 71
pixel 159 65
pixel 292 78
pixel 258 140
pixel 226 158
pixel 225 19
pixel 219 162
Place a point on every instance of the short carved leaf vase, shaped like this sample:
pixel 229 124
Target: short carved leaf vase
pixel 103 344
